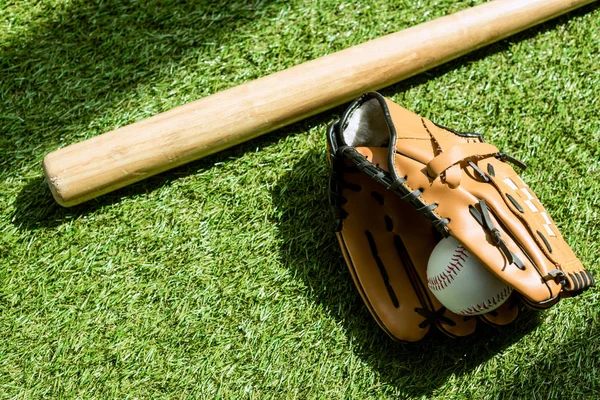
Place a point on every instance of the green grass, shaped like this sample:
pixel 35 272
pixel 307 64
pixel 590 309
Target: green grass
pixel 222 278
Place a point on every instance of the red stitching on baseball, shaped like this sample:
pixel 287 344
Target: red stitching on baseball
pixel 488 304
pixel 460 252
pixel 443 279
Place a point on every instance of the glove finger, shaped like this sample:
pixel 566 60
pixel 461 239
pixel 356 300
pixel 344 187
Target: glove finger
pixel 531 225
pixel 505 314
pixel 532 279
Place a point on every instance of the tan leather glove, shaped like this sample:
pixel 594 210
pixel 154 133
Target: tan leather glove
pixel 400 183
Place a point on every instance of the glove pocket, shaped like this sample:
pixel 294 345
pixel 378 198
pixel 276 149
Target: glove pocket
pixel 386 245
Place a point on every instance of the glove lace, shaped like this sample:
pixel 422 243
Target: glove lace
pixel 433 316
pixel 394 184
pixel 485 221
pixel 336 185
pixel 505 157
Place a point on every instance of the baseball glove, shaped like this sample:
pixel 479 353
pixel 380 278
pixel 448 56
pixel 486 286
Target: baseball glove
pixel 399 183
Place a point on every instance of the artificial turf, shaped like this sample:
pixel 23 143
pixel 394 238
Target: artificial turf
pixel 222 278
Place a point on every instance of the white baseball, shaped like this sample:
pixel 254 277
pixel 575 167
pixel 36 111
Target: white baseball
pixel 461 283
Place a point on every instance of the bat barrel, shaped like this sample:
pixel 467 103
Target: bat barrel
pixel 104 163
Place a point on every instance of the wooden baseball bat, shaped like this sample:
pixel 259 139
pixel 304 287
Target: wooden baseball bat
pixel 96 166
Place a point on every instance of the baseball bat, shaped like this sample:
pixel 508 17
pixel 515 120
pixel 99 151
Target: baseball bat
pixel 104 163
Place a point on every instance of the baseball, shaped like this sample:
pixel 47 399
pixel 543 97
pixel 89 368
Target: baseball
pixel 461 283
